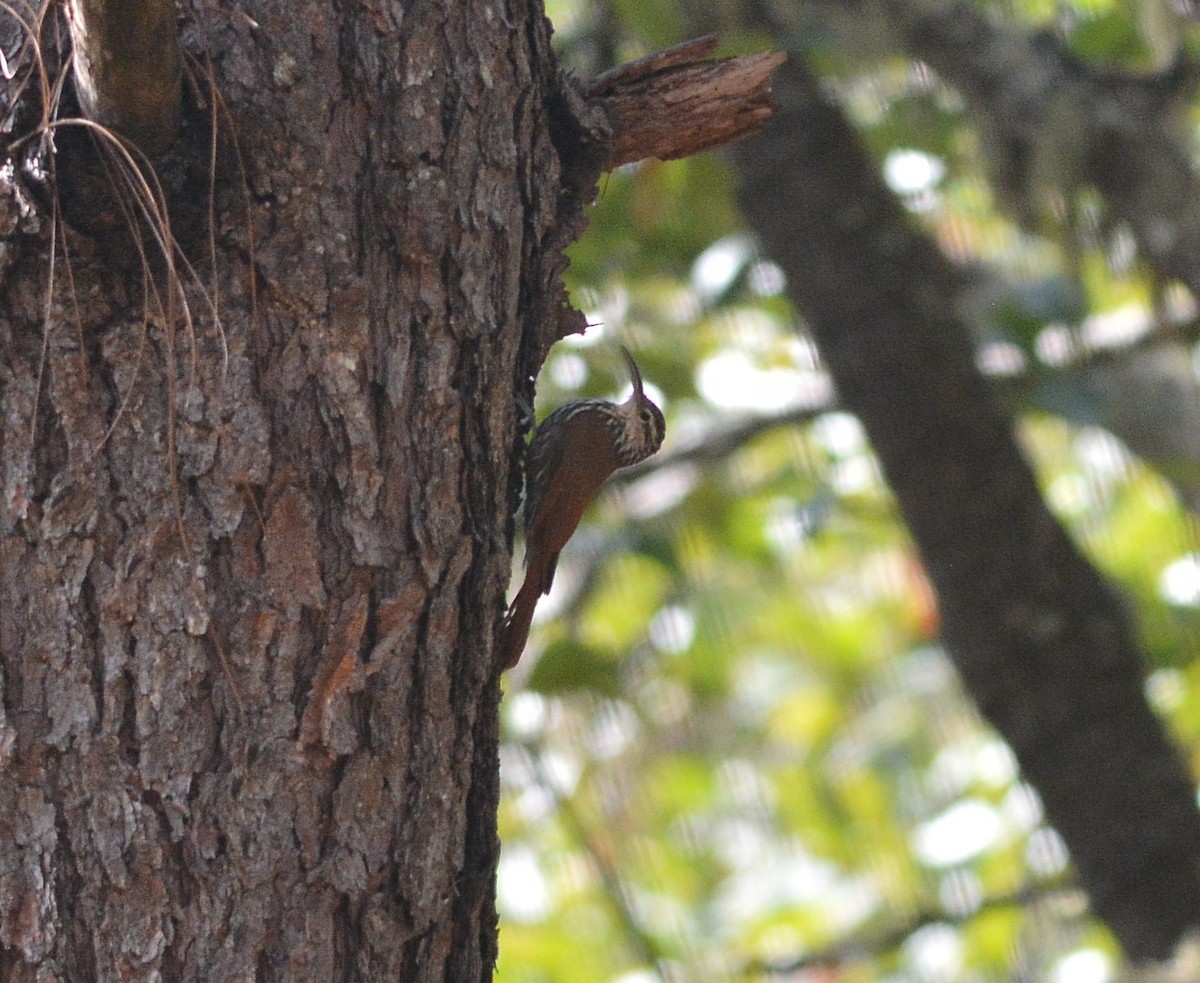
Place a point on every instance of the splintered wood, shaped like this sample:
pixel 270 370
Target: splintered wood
pixel 677 102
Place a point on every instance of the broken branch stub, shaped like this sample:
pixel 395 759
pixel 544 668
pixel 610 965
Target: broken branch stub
pixel 128 68
pixel 678 102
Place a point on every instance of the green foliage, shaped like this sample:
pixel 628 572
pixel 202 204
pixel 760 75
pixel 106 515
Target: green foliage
pixel 735 740
pixel 655 217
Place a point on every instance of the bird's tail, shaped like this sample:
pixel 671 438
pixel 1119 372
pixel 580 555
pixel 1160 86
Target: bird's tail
pixel 517 621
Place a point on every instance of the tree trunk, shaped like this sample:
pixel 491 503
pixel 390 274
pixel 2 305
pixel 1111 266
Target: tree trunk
pixel 256 518
pixel 1040 640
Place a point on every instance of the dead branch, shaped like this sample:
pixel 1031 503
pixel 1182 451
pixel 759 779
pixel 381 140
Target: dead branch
pixel 678 102
pixel 127 67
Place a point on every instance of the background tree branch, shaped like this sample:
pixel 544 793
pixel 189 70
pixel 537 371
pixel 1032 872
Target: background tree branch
pixel 1051 122
pixel 1042 643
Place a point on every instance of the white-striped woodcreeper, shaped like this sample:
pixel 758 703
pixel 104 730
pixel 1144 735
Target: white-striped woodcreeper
pixel 573 452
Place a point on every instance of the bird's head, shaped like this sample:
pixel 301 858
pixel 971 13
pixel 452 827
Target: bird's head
pixel 644 427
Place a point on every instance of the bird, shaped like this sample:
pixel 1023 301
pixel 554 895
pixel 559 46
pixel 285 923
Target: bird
pixel 573 452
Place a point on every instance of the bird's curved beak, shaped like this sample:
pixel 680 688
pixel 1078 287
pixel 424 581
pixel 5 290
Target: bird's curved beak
pixel 634 373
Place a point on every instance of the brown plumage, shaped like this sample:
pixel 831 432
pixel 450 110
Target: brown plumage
pixel 571 455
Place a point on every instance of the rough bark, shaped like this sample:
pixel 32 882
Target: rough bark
pixel 251 561
pixel 1040 640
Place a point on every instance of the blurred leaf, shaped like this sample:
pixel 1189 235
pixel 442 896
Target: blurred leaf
pixel 565 666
